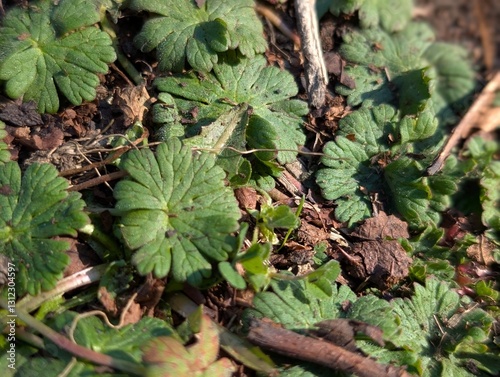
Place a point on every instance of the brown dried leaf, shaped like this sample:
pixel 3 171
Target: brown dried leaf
pixel 311 235
pixel 247 197
pixel 382 227
pixel 482 251
pixel 131 101
pixel 48 138
pixel 383 263
pixel 20 114
pixel 107 300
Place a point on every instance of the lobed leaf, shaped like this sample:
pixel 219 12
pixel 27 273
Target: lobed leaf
pixel 490 197
pixel 274 124
pixel 428 333
pixel 391 15
pixel 184 31
pixel 35 208
pixel 361 161
pixel 419 68
pixel 176 212
pixel 51 48
pixel 4 148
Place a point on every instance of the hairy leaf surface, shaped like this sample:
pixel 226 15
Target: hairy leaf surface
pixel 237 80
pixel 183 30
pixel 51 48
pixel 35 208
pixel 427 333
pixel 176 212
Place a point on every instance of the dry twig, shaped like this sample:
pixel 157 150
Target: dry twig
pixel 315 69
pixel 467 123
pixel 291 344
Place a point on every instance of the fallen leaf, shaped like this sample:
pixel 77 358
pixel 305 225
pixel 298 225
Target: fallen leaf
pixel 382 227
pixel 20 114
pixel 382 263
pixel 482 251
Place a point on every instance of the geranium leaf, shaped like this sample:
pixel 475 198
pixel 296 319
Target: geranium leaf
pixel 4 149
pixel 391 15
pixel 35 208
pixel 176 211
pixel 414 64
pixel 237 81
pixel 181 31
pixel 53 47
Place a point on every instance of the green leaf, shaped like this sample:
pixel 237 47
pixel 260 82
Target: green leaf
pixel 254 262
pixel 391 15
pixel 236 81
pixel 34 209
pixel 452 79
pixel 291 305
pixel 371 87
pixel 433 327
pixel 51 48
pixel 361 161
pixel 361 135
pixel 232 276
pixel 416 130
pixel 181 31
pixel 419 199
pixel 414 91
pixel 398 52
pixel 123 343
pixel 490 196
pixel 222 136
pixel 418 68
pixel 429 333
pixel 319 282
pixel 270 218
pixel 176 212
pixel 4 148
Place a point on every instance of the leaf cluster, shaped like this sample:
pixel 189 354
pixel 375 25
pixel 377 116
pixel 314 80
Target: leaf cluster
pixel 407 91
pixel 376 150
pixel 431 333
pixel 391 15
pixel 273 121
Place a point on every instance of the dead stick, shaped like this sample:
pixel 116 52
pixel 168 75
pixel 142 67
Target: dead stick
pixel 315 69
pixel 277 22
pixel 291 344
pixel 485 31
pixel 467 123
pixel 98 180
pixel 95 165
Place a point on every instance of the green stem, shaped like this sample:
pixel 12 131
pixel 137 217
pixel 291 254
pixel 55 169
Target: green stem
pixel 80 279
pixel 75 349
pixel 104 244
pixel 122 59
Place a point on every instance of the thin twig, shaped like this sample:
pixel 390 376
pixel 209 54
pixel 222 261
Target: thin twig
pixel 467 123
pixel 270 15
pixel 314 64
pixel 98 180
pixel 485 31
pixel 318 351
